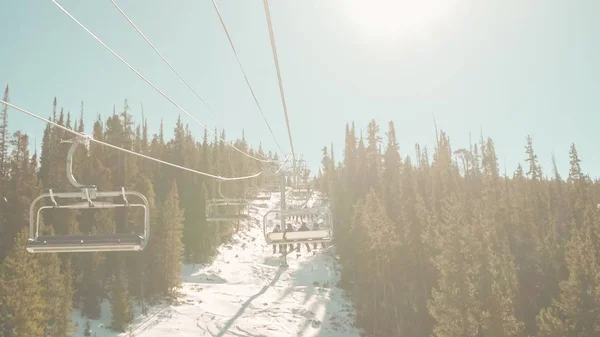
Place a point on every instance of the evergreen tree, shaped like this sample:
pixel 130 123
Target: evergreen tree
pixel 535 171
pixel 122 312
pixel 4 139
pixel 455 305
pixel 21 188
pixel 22 291
pixel 576 186
pixel 576 313
pixel 64 324
pixel 392 164
pixel 171 251
pixel 373 156
pixel 53 286
pixel 362 183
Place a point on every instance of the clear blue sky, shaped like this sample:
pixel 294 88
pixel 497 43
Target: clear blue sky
pixel 509 67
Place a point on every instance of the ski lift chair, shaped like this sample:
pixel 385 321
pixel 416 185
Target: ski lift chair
pixel 214 208
pixel 273 188
pixel 300 193
pixel 255 193
pixel 273 184
pixel 88 196
pixel 214 213
pixel 323 234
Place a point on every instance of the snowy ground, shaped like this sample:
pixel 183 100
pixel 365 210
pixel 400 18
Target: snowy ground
pixel 245 293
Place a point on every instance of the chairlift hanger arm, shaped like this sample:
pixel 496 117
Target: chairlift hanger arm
pixel 75 142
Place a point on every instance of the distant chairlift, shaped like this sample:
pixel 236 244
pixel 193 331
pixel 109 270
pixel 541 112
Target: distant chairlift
pixel 217 209
pixel 323 234
pixel 273 187
pixel 256 193
pixel 273 181
pixel 301 193
pixel 89 195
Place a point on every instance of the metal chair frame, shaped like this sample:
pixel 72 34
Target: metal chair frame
pixel 88 194
pixel 256 193
pixel 212 212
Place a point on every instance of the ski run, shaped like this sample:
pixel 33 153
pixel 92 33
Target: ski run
pixel 245 292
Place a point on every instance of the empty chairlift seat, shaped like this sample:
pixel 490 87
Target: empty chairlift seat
pixel 89 198
pixel 226 209
pixel 258 194
pixel 218 210
pixel 87 243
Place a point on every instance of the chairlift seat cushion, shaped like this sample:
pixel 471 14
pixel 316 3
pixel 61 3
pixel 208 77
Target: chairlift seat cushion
pixel 318 235
pixel 259 197
pixel 85 243
pixel 227 217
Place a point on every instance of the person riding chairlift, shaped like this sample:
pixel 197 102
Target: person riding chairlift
pixel 289 228
pixel 276 230
pixel 303 228
pixel 316 228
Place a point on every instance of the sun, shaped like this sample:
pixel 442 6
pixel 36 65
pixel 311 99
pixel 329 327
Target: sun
pixel 395 19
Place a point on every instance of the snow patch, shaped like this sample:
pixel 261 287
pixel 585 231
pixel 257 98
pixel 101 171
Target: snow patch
pixel 245 292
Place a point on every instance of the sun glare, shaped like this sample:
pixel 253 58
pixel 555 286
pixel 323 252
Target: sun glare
pixel 395 19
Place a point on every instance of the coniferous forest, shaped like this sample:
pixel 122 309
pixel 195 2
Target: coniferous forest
pixel 433 243
pixel 38 292
pixel 453 247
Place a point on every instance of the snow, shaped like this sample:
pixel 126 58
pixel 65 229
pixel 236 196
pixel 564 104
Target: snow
pixel 245 293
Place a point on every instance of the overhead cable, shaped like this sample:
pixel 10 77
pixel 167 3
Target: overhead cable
pixel 155 87
pixel 162 57
pixel 274 49
pixel 244 73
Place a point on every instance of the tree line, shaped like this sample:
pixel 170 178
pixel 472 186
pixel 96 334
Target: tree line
pixel 38 292
pixel 451 246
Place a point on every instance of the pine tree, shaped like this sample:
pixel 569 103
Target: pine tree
pixel 392 165
pixel 576 186
pixel 373 157
pixel 22 291
pixel 171 251
pixel 382 245
pixel 498 278
pixel 362 183
pixel 455 305
pixel 577 313
pixel 80 127
pixel 64 325
pixel 53 285
pixel 21 188
pixel 93 268
pixel 535 171
pixel 4 139
pixel 412 265
pixel 122 313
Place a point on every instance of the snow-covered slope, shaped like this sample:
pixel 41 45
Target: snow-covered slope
pixel 245 292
